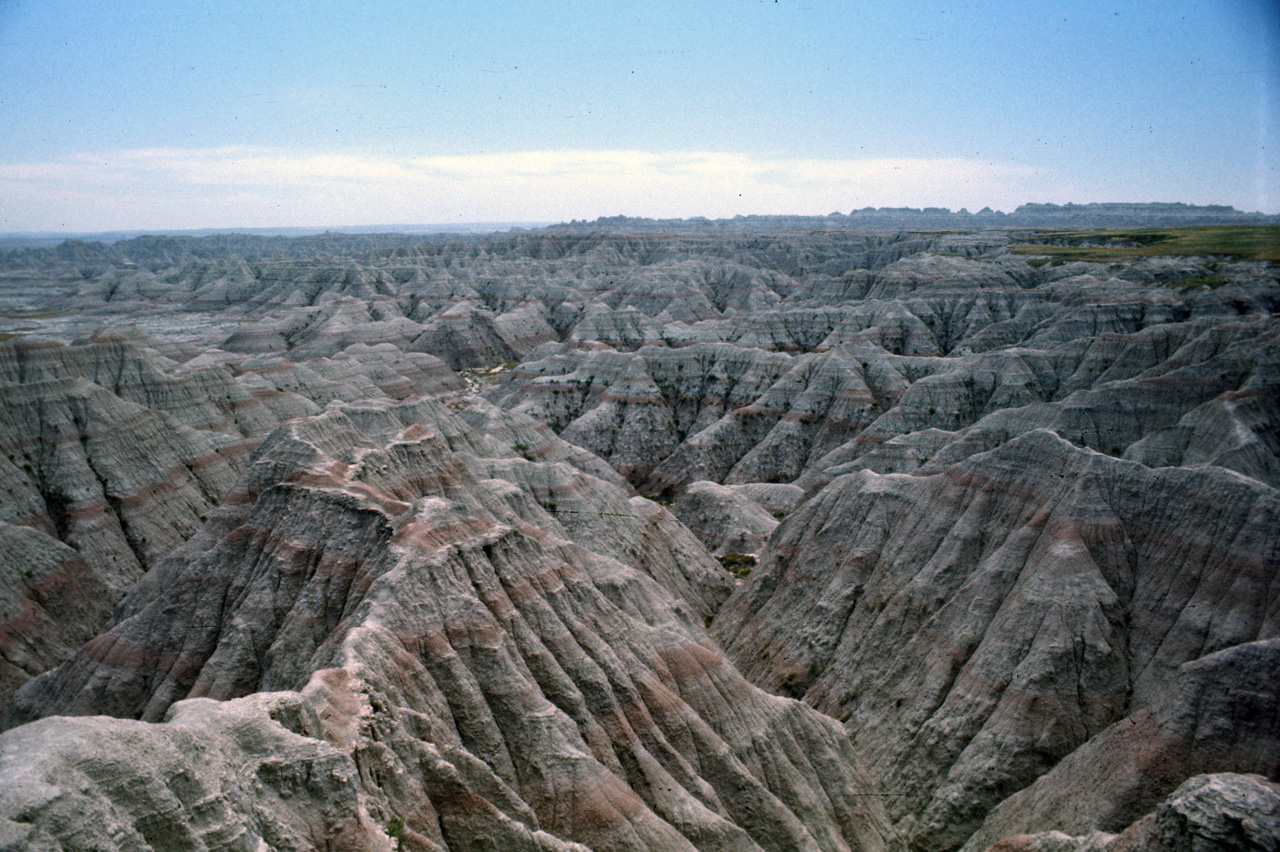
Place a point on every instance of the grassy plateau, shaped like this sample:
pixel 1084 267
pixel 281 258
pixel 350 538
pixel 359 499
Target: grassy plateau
pixel 1239 242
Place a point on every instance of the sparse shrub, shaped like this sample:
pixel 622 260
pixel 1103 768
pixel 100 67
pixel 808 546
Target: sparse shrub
pixel 738 564
pixel 794 685
pixel 395 829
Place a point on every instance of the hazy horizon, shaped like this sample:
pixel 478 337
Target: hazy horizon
pixel 472 228
pixel 169 116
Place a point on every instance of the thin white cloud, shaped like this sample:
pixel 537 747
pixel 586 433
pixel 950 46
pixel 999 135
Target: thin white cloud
pixel 258 187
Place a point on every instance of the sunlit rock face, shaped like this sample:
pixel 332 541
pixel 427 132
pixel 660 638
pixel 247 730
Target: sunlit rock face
pixel 492 647
pixel 122 453
pixel 380 515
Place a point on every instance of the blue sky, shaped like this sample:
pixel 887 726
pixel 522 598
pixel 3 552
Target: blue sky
pixel 239 114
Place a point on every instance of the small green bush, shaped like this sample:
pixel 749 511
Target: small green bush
pixel 395 829
pixel 738 564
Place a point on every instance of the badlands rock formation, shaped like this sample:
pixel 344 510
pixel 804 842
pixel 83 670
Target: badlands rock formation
pixel 122 454
pixel 376 516
pixel 977 626
pixel 487 673
pixel 1223 811
pixel 724 519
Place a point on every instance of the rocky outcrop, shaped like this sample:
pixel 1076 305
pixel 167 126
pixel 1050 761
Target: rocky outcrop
pixel 298 388
pixel 97 489
pixel 122 454
pixel 1237 430
pixel 777 498
pixel 742 415
pixel 1223 812
pixel 120 483
pixel 1227 811
pixel 1123 394
pixel 51 603
pixel 725 520
pixel 1219 716
pixel 465 337
pixel 666 417
pixel 203 398
pixel 348 321
pixel 245 774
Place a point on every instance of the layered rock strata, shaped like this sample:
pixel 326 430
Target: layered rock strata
pixel 122 454
pixel 482 670
pixel 1038 607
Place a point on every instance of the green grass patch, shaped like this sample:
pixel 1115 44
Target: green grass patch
pixel 1197 281
pixel 1241 242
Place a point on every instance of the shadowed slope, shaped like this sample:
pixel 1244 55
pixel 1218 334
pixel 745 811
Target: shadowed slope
pixel 976 626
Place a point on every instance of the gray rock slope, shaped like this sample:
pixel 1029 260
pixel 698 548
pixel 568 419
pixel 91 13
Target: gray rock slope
pixel 1224 811
pixel 480 671
pixel 1038 611
pixel 122 454
pixel 742 359
pixel 97 487
pixel 251 773
pixel 724 518
pixel 51 603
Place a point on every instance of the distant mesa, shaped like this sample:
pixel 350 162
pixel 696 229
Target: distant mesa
pixel 1072 216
